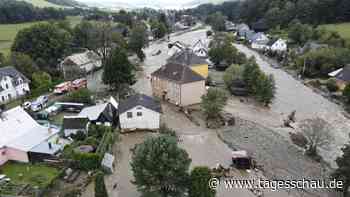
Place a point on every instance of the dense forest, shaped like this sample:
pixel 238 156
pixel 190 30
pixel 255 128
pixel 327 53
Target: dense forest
pixel 280 12
pixel 19 11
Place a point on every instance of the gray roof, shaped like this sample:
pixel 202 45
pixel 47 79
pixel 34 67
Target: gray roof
pixel 13 73
pixel 186 57
pixel 178 73
pixel 75 122
pixel 139 99
pixel 344 74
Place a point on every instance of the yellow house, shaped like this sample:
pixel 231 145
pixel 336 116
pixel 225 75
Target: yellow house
pixel 188 58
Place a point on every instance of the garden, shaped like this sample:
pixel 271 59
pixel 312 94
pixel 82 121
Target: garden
pixel 27 178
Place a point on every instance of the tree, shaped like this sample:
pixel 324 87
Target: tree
pixel 300 33
pixel 138 40
pixel 266 89
pixel 199 187
pixel 23 63
pixel 251 74
pixel 41 82
pixel 213 103
pixel 43 41
pixel 160 167
pixel 118 72
pixel 343 170
pixel 100 187
pixel 232 74
pixel 222 50
pixel 159 29
pixel 217 21
pixel 318 133
pixel 346 93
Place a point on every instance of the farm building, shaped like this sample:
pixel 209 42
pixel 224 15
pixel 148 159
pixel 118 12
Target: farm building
pixel 13 84
pixel 72 124
pixel 77 65
pixel 178 84
pixel 139 112
pixel 24 140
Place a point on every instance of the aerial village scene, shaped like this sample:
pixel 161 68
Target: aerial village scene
pixel 202 98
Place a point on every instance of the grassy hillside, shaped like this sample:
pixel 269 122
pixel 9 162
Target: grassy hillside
pixel 342 28
pixel 42 3
pixel 8 32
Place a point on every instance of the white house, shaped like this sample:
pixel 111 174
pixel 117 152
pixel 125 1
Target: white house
pixel 24 140
pixel 80 63
pixel 259 41
pixel 139 112
pixel 13 84
pixel 279 45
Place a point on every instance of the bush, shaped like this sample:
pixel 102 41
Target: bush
pixel 106 143
pixel 79 136
pixel 100 186
pixel 87 161
pixel 79 96
pixel 332 85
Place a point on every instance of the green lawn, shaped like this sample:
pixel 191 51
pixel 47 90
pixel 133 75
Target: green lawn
pixel 8 32
pixel 34 175
pixel 342 28
pixel 42 3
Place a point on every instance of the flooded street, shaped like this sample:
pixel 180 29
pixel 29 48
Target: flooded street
pixel 203 145
pixel 291 95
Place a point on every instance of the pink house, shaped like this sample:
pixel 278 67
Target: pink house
pixel 23 139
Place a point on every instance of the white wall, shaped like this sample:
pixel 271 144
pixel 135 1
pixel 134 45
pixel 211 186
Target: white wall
pixel 12 92
pixel 149 119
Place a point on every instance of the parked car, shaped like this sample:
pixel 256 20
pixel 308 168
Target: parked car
pixel 39 103
pixel 79 83
pixel 63 87
pixel 26 105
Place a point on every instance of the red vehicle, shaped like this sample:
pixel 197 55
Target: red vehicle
pixel 79 83
pixel 63 87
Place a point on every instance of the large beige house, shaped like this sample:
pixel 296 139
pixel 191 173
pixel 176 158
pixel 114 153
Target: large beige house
pixel 178 84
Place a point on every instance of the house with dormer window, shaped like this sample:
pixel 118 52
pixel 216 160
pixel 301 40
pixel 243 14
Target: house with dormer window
pixel 13 84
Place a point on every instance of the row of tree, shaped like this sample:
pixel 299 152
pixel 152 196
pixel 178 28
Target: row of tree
pixel 277 12
pixel 20 11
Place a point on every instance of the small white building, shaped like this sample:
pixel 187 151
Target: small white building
pixel 139 112
pixel 279 45
pixel 73 124
pixel 259 41
pixel 13 84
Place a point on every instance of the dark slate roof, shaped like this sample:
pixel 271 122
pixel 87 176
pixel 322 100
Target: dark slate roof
pixel 12 72
pixel 344 74
pixel 75 122
pixel 179 73
pixel 186 57
pixel 139 99
pixel 260 26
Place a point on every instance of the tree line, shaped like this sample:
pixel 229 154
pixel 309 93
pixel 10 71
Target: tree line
pixel 280 12
pixel 19 12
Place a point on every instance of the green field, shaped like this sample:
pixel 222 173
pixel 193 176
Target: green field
pixel 42 3
pixel 342 28
pixel 8 32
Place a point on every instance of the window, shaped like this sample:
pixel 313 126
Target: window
pixel 3 98
pixel 139 113
pixel 129 114
pixel 7 86
pixel 9 96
